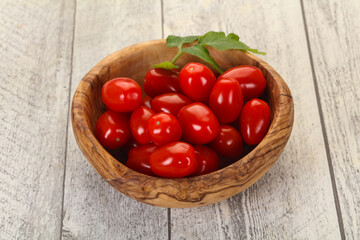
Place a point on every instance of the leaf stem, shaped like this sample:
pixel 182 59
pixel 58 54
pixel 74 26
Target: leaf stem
pixel 217 68
pixel 177 56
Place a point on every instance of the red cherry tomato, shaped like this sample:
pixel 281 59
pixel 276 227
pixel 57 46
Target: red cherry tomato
pixel 207 160
pixel 228 142
pixel 170 103
pixel 198 123
pixel 138 124
pixel 159 81
pixel 226 100
pixel 112 130
pixel 251 79
pixel 146 101
pixel 121 94
pixel 139 159
pixel 163 128
pixel 254 121
pixel 174 160
pixel 196 81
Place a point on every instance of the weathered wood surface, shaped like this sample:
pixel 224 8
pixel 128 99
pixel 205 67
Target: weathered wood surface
pixel 294 200
pixel 334 36
pixel 92 208
pixel 35 66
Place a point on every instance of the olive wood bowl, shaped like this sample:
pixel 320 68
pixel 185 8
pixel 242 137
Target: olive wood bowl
pixel 134 61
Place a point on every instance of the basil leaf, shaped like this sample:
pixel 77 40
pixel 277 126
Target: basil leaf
pixel 166 65
pixel 176 41
pixel 203 53
pixel 219 41
pixel 256 51
pixel 233 36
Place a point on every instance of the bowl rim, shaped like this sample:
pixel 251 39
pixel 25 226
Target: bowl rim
pixel 112 170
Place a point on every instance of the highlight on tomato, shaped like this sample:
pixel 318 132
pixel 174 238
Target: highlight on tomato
pixel 254 121
pixel 112 129
pixel 173 160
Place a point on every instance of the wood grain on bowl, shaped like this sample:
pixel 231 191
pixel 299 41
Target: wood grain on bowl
pixel 134 62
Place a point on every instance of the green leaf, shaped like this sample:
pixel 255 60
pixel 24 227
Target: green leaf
pixel 203 53
pixel 176 41
pixel 233 36
pixel 210 37
pixel 220 41
pixel 256 51
pixel 166 65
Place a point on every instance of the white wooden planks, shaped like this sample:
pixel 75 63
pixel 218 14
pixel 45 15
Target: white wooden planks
pixel 294 200
pixel 35 50
pixel 334 36
pixel 92 208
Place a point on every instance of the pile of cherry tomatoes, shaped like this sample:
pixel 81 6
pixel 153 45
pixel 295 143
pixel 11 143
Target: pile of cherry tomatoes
pixel 189 121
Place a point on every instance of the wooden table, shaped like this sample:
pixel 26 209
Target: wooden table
pixel 48 190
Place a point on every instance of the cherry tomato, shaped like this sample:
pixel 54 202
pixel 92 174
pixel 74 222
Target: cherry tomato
pixel 170 103
pixel 121 94
pixel 226 100
pixel 228 143
pixel 254 121
pixel 139 159
pixel 177 70
pixel 198 123
pixel 159 81
pixel 138 124
pixel 163 128
pixel 251 79
pixel 112 129
pixel 196 81
pixel 207 160
pixel 175 160
pixel 146 101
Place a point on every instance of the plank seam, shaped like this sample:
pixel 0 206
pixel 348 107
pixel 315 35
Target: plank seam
pixel 162 36
pixel 325 137
pixel 162 18
pixel 169 223
pixel 67 124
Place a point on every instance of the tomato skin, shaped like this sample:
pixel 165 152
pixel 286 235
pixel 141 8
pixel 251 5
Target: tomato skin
pixel 254 121
pixel 199 124
pixel 139 159
pixel 207 160
pixel 112 130
pixel 138 124
pixel 228 143
pixel 173 160
pixel 226 100
pixel 251 79
pixel 164 128
pixel 196 81
pixel 146 101
pixel 170 103
pixel 121 94
pixel 159 81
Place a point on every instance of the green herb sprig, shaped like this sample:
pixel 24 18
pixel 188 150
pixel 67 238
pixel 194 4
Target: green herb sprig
pixel 217 40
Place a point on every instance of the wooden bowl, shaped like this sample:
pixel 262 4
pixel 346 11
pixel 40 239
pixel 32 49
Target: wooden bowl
pixel 134 61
